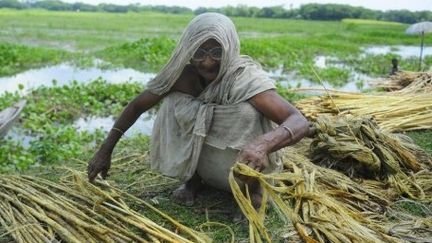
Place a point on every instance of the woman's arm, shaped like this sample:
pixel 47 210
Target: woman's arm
pixel 188 83
pixel 293 127
pixel 101 161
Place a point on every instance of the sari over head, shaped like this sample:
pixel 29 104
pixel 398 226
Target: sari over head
pixel 220 116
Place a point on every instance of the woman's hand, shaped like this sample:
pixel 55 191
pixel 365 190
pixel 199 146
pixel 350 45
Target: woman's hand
pixel 254 155
pixel 100 163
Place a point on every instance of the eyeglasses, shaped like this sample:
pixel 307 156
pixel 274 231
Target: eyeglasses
pixel 215 53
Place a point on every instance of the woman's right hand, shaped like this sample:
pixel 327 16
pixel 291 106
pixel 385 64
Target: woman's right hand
pixel 100 163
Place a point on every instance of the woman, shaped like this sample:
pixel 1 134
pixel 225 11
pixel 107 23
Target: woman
pixel 218 108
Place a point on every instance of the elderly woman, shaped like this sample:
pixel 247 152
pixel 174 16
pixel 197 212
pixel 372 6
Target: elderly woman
pixel 218 107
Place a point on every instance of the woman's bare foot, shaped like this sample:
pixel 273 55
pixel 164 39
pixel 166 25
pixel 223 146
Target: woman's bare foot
pixel 255 190
pixel 187 192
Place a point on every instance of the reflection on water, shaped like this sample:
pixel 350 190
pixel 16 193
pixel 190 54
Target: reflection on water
pixel 143 125
pixel 403 51
pixel 307 84
pixel 357 83
pixel 65 73
pixel 20 135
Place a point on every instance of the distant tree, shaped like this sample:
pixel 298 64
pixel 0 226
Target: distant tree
pixel 11 4
pixel 52 5
pixel 266 12
pixel 312 11
pixel 83 7
pixel 403 16
pixel 112 8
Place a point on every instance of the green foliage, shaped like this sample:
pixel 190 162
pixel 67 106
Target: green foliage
pixel 57 143
pixel 380 65
pixel 8 98
pixel 48 118
pixel 423 139
pixel 369 22
pixel 335 76
pixel 63 104
pixel 16 58
pixel 144 54
pixel 286 94
pixel 13 156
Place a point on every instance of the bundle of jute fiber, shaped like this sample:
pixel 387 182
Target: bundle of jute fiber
pixel 316 213
pixel 406 82
pixel 325 205
pixel 38 210
pixel 401 112
pixel 357 147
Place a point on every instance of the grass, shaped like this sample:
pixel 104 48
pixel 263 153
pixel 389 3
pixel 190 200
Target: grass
pixel 16 58
pixel 370 22
pixel 423 139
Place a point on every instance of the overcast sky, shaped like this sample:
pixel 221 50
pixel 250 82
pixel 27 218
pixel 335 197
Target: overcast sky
pixel 413 5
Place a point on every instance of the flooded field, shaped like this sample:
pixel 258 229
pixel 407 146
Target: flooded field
pixel 401 50
pixel 143 125
pixel 64 74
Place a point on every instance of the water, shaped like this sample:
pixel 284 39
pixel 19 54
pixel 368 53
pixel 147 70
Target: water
pixel 20 135
pixel 403 51
pixel 143 125
pixel 292 82
pixel 357 83
pixel 66 73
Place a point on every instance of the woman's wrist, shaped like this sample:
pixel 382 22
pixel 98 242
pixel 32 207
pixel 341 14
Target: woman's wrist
pixel 111 141
pixel 262 145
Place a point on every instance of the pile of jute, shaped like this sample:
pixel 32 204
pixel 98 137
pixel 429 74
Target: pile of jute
pixel 393 112
pixel 405 107
pixel 406 82
pixel 38 210
pixel 343 188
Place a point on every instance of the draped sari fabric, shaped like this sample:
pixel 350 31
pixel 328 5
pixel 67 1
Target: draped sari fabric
pixel 220 117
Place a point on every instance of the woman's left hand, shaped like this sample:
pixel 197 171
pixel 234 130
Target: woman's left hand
pixel 254 156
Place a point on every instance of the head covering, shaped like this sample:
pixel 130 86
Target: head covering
pixel 200 29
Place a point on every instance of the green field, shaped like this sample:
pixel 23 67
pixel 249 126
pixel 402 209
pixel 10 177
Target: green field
pixel 144 41
pixel 126 39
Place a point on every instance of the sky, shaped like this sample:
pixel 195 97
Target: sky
pixel 413 5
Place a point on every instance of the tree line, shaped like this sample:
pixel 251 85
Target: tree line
pixel 311 11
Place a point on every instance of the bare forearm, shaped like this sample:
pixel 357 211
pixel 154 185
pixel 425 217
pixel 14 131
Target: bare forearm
pixel 128 117
pixel 292 130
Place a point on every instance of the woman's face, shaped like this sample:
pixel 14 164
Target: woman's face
pixel 207 59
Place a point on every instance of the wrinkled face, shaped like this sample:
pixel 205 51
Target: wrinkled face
pixel 207 59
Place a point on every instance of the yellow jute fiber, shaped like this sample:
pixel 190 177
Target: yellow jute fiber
pixel 74 210
pixel 406 82
pixel 341 203
pixel 401 112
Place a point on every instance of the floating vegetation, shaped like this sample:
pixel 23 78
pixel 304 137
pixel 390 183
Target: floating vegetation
pixel 16 58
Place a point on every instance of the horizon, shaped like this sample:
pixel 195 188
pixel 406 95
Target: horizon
pixel 384 5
